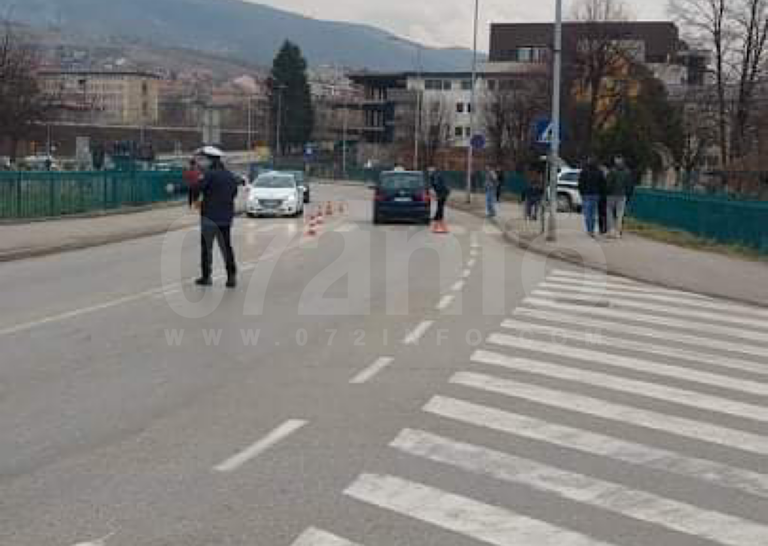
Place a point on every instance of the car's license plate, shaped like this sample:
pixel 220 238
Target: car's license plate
pixel 403 199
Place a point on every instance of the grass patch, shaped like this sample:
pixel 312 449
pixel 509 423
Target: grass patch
pixel 688 240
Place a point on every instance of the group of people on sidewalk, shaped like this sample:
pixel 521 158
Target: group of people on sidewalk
pixel 604 196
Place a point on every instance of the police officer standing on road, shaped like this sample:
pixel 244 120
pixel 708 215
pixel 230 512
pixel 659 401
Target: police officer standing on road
pixel 217 191
pixel 441 193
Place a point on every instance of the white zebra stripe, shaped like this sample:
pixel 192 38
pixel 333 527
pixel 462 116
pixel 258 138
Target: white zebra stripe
pixel 593 443
pixel 631 363
pixel 665 335
pixel 755 324
pixel 611 284
pixel 648 507
pixel 598 338
pixel 628 386
pixel 655 320
pixel 318 537
pixel 468 517
pixel 713 305
pixel 619 413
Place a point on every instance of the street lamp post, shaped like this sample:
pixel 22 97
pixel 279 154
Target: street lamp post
pixel 344 139
pixel 554 161
pixel 250 123
pixel 470 151
pixel 419 100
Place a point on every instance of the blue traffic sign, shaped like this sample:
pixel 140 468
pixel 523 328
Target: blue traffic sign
pixel 477 142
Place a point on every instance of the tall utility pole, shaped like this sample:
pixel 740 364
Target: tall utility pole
pixel 419 99
pixel 250 122
pixel 470 151
pixel 344 138
pixel 554 158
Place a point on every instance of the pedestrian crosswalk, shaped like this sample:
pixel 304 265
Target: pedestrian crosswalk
pixel 671 385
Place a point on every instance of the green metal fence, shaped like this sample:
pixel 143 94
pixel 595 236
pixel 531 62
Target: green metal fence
pixel 30 195
pixel 712 217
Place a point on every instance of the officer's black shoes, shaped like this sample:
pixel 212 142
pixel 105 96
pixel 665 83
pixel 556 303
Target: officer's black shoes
pixel 203 281
pixel 232 282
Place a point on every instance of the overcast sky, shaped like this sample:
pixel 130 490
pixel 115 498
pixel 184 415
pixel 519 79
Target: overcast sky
pixel 443 22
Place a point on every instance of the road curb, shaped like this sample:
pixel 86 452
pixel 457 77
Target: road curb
pixel 562 255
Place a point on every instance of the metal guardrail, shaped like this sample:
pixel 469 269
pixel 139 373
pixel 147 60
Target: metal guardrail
pixel 716 218
pixel 35 195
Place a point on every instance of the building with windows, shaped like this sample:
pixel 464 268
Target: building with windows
pixel 109 97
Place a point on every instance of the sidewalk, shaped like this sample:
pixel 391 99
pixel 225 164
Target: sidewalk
pixel 635 257
pixel 20 241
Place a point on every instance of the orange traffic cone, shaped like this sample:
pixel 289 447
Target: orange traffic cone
pixel 439 227
pixel 319 216
pixel 312 229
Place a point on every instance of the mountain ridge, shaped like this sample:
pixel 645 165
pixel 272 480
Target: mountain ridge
pixel 247 31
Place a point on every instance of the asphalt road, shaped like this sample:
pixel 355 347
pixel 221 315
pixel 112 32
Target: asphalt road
pixel 373 386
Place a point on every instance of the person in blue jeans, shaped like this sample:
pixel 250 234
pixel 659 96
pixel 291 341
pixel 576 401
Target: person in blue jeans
pixel 592 185
pixel 491 184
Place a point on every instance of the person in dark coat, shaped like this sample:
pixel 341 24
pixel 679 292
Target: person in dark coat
pixel 592 185
pixel 441 193
pixel 217 191
pixel 603 203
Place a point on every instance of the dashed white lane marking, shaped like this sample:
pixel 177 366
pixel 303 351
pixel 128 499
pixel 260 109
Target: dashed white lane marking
pixel 346 228
pixel 666 335
pixel 613 497
pixel 617 413
pixel 475 252
pixel 445 302
pixel 628 386
pixel 468 517
pixel 702 304
pixel 466 273
pixel 633 364
pixel 371 371
pixel 472 263
pixel 318 537
pixel 274 437
pixel 598 338
pixel 458 286
pixel 756 324
pixel 656 320
pixel 417 333
pixel 595 443
pixel 99 542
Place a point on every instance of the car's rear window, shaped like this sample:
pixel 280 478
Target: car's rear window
pixel 402 182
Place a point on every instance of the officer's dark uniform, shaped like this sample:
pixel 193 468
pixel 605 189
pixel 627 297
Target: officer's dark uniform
pixel 442 192
pixel 218 190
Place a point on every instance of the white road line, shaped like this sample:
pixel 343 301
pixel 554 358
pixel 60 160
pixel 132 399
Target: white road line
pixel 630 363
pixel 280 433
pixel 371 371
pixel 417 333
pixel 656 320
pixel 598 338
pixel 593 443
pixel 628 386
pixel 462 515
pixel 618 413
pixel 760 325
pixel 458 286
pixel 474 252
pixel 466 273
pixel 318 537
pixel 445 302
pixel 471 263
pixel 713 305
pixel 666 335
pixel 619 286
pixel 640 505
pixel 346 228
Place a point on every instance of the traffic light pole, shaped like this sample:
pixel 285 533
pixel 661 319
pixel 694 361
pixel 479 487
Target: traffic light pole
pixel 470 151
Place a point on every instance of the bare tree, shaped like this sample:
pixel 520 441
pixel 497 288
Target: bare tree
pixel 22 102
pixel 496 116
pixel 435 129
pixel 751 21
pixel 601 56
